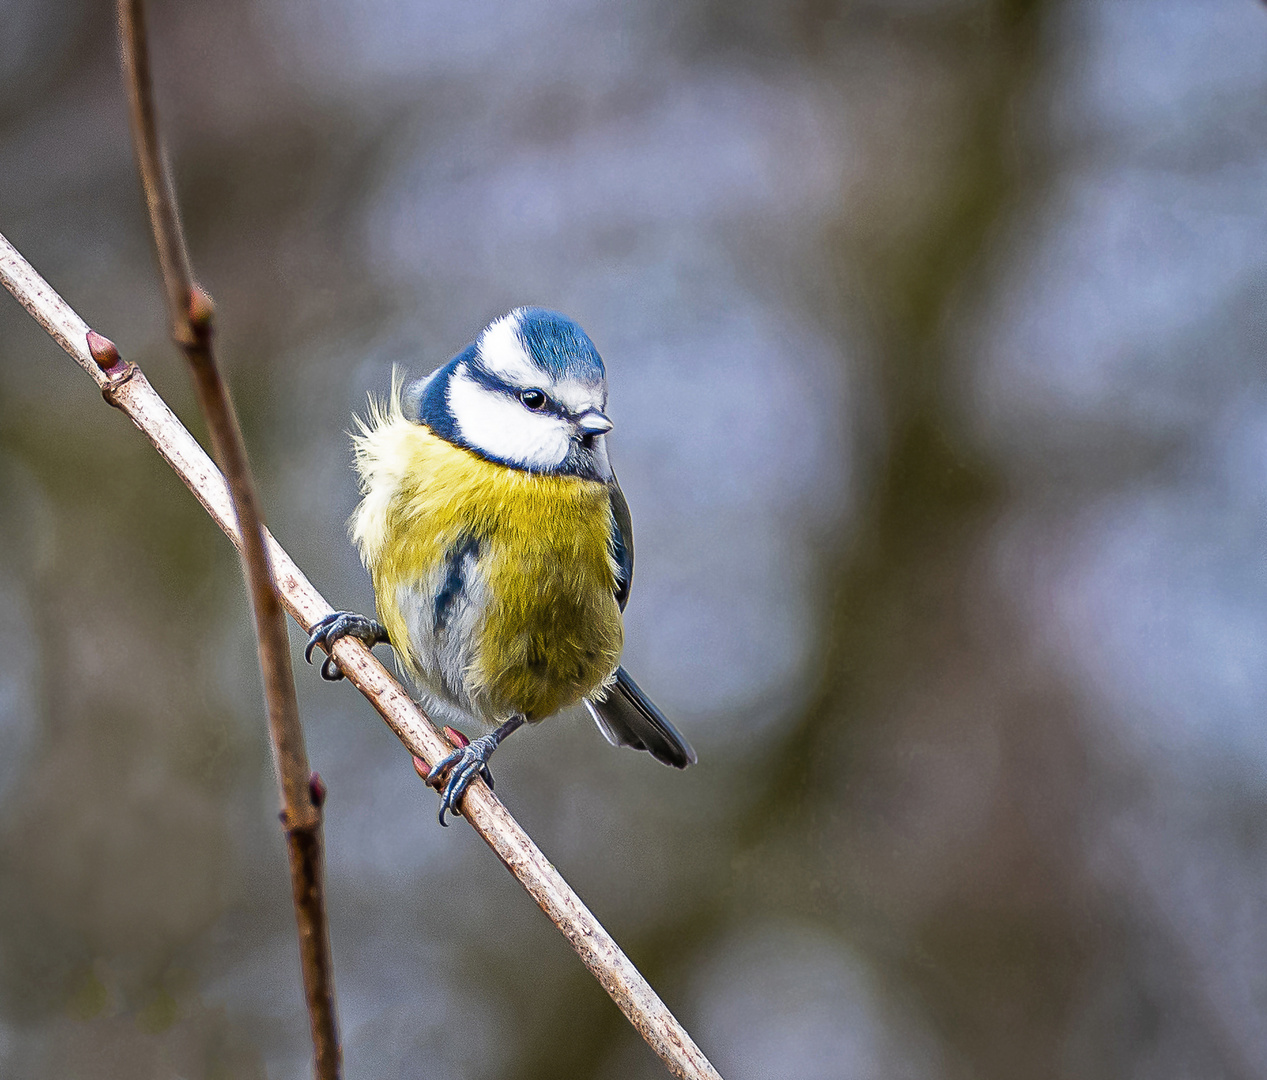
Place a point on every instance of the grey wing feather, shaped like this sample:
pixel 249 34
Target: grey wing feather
pixel 626 717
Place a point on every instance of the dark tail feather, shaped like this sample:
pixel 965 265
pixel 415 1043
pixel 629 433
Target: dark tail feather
pixel 626 717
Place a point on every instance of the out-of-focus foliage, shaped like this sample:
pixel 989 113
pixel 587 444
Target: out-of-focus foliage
pixel 936 338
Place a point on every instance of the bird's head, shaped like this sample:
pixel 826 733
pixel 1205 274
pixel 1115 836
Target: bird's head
pixel 529 393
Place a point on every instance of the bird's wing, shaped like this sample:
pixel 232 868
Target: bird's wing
pixel 621 542
pixel 624 714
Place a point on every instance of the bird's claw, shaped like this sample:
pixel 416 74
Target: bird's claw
pixel 463 766
pixel 339 624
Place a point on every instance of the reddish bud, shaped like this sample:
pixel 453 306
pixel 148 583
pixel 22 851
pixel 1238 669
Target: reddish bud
pixel 102 350
pixel 456 737
pixel 421 767
pixel 317 790
pixel 201 309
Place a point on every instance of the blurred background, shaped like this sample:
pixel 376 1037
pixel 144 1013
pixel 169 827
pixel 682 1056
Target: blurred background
pixel 936 333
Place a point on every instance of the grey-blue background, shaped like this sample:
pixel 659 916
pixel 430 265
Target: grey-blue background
pixel 936 337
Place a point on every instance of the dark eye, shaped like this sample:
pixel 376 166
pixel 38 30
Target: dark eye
pixel 534 399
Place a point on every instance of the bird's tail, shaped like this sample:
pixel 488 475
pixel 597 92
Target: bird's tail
pixel 626 717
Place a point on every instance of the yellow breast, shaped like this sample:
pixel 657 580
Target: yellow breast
pixel 542 628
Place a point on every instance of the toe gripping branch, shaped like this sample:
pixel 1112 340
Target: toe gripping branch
pixel 466 763
pixel 338 624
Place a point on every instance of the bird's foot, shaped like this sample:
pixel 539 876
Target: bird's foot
pixel 465 764
pixel 339 624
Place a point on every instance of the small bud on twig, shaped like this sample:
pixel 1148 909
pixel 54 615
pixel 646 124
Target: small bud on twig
pixel 201 310
pixel 102 350
pixel 456 737
pixel 317 790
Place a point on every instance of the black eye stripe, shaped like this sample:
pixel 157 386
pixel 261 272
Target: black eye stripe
pixel 480 374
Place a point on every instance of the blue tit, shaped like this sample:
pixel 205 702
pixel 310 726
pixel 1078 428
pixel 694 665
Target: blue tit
pixel 500 544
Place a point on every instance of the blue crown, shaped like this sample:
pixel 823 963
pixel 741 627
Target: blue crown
pixel 558 346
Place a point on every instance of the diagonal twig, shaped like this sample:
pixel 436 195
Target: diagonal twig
pixel 191 315
pixel 124 386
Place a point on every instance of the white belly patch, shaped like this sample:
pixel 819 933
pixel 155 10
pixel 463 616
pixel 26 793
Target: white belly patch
pixel 444 615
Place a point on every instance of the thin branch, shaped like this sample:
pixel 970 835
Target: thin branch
pixel 191 314
pixel 124 386
pixel 160 195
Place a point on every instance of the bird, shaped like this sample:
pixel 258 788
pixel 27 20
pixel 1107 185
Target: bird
pixel 500 545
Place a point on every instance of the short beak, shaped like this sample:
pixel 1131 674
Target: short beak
pixel 593 422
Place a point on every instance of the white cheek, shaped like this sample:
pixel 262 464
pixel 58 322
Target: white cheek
pixel 501 427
